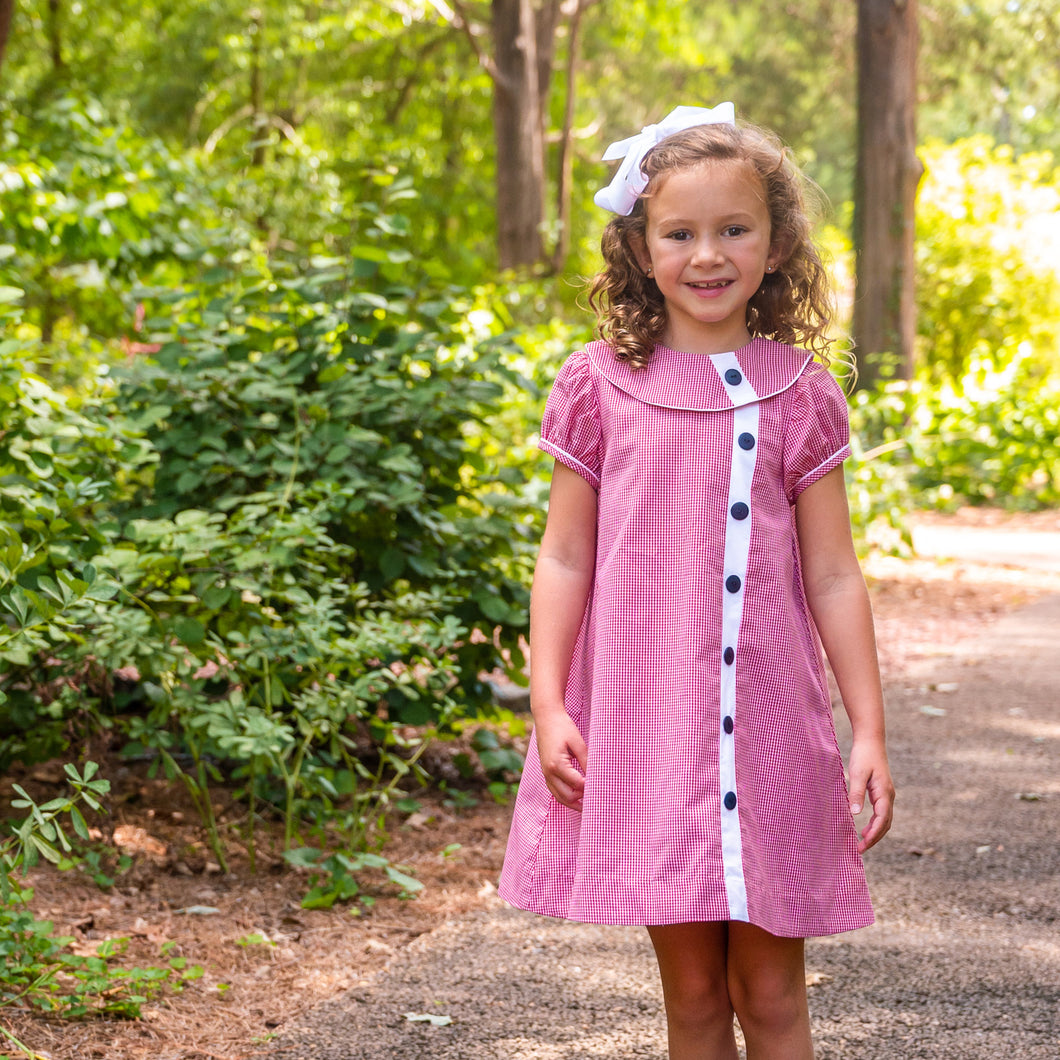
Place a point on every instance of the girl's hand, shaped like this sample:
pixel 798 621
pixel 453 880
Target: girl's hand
pixel 560 746
pixel 871 775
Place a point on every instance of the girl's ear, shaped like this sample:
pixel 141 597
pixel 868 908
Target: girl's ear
pixel 640 252
pixel 778 254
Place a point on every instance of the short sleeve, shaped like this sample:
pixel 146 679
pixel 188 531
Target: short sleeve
pixel 570 429
pixel 817 439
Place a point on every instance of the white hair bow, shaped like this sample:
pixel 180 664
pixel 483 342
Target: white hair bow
pixel 622 193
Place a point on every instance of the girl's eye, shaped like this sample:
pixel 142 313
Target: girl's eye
pixel 735 230
pixel 680 235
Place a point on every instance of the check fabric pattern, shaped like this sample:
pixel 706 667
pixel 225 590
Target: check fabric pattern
pixel 714 788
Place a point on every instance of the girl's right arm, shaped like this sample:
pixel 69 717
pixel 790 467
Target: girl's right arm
pixel 562 581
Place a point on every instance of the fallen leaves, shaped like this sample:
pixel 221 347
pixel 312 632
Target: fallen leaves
pixel 135 840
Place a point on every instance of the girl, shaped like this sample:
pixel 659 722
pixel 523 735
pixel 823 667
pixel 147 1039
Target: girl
pixel 685 773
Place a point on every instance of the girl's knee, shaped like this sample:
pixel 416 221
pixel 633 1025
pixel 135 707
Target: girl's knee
pixel 772 1003
pixel 699 1005
pixel 767 980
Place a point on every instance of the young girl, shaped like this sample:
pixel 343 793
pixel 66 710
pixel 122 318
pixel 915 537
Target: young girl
pixel 685 773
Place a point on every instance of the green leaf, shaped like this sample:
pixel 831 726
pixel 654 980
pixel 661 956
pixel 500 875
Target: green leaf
pixel 392 563
pixel 302 857
pixel 189 631
pixel 45 848
pixel 79 823
pixel 403 880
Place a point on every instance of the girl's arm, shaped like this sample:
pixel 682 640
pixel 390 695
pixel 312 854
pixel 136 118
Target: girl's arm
pixel 839 603
pixel 562 580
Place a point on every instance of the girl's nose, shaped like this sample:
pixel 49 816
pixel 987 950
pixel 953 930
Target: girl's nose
pixel 706 251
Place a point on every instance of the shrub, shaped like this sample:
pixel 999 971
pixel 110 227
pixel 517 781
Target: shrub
pixel 988 272
pixel 989 440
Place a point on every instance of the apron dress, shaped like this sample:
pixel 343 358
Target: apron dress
pixel 715 787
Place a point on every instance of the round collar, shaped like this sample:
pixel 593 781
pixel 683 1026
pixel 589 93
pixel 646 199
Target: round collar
pixel 697 382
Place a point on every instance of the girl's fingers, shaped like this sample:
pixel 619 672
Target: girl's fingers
pixel 578 751
pixel 857 795
pixel 566 782
pixel 568 792
pixel 880 822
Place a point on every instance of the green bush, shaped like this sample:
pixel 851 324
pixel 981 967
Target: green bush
pixel 60 464
pixel 988 269
pixel 310 546
pixel 924 446
pixel 87 209
pixel 347 416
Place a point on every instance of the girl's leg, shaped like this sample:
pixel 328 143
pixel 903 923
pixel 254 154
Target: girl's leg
pixel 694 971
pixel 767 985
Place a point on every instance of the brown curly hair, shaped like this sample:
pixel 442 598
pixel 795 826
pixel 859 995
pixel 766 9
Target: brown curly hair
pixel 793 304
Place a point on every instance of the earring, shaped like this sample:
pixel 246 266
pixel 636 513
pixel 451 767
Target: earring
pixel 770 268
pixel 649 270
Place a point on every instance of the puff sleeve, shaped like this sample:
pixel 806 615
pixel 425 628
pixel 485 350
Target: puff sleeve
pixel 570 428
pixel 817 439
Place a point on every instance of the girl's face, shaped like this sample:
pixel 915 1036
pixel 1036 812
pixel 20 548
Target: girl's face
pixel 708 242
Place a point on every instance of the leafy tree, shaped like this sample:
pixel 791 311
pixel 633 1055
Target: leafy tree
pixel 988 70
pixel 88 209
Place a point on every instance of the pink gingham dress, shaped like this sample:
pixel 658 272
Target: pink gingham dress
pixel 714 788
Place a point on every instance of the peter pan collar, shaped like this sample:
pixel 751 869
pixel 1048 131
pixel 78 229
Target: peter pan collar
pixel 697 383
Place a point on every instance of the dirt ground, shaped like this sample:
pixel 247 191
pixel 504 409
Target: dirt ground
pixel 268 962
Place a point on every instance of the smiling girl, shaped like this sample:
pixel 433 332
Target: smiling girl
pixel 685 773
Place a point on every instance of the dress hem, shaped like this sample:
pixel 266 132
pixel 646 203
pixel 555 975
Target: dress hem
pixel 812 932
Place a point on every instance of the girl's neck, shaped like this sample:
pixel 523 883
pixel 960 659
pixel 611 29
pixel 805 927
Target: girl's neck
pixel 704 345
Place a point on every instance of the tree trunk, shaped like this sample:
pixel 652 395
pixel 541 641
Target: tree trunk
pixel 888 172
pixel 517 120
pixel 257 90
pixel 7 10
pixel 55 43
pixel 564 166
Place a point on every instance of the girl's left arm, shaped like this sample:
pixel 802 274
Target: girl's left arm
pixel 839 602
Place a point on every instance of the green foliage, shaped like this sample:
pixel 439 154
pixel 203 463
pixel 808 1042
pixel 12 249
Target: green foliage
pixel 88 208
pixel 988 267
pixel 919 445
pixel 996 444
pixel 334 877
pixel 330 438
pixel 39 970
pixel 311 546
pixel 59 466
pixel 979 70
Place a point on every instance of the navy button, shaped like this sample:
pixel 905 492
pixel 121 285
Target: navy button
pixel 746 440
pixel 728 655
pixel 730 800
pixel 733 377
pixel 739 510
pixel 733 583
pixel 727 725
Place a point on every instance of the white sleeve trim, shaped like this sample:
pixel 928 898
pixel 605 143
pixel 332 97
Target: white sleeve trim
pixel 828 464
pixel 570 461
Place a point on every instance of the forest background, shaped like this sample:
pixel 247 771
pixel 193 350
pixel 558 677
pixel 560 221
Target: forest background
pixel 270 374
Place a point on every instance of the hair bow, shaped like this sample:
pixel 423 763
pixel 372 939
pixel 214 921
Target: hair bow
pixel 622 193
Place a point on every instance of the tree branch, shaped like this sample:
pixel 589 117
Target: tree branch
pixel 395 108
pixel 226 127
pixel 457 16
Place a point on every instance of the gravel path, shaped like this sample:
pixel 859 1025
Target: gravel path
pixel 963 964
